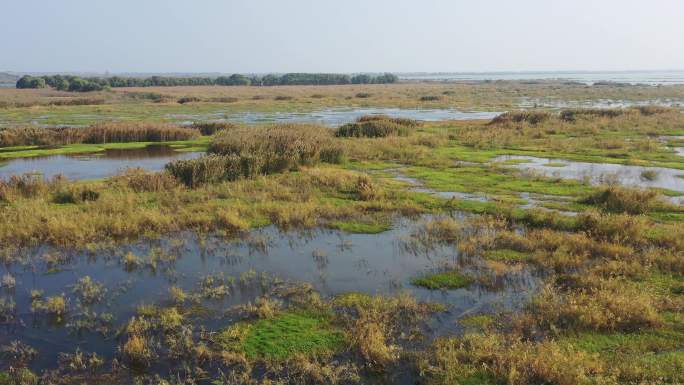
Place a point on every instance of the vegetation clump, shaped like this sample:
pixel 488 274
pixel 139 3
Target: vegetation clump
pixel 249 152
pixel 211 128
pixel 100 133
pixel 531 117
pixel 444 280
pixel 282 336
pixel 140 180
pixel 377 126
pixel 626 200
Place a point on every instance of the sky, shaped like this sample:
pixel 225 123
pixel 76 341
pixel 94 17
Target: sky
pixel 260 36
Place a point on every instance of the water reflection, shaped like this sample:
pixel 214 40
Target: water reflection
pixel 221 273
pixel 95 166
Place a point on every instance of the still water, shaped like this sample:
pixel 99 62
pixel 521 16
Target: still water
pixel 94 166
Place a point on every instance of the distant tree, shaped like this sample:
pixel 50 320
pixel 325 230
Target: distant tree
pixel 61 84
pixel 233 80
pixel 270 80
pixel 361 79
pixel 387 78
pixel 27 81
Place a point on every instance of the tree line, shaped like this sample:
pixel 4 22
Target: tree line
pixel 79 84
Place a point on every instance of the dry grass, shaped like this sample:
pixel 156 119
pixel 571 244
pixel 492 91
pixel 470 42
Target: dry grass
pixel 109 132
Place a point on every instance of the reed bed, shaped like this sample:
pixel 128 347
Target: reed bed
pixel 377 126
pixel 100 133
pixel 251 151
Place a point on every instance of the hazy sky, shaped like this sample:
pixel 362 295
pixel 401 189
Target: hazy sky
pixel 340 36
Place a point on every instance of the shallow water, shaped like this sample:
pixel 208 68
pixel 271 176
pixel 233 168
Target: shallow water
pixel 338 116
pixel 600 173
pixel 527 102
pixel 586 77
pixel 94 166
pixel 332 261
pixel 532 200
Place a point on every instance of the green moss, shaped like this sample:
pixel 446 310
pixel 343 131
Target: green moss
pixel 282 336
pixel 358 227
pixel 506 255
pixel 445 280
pixel 492 180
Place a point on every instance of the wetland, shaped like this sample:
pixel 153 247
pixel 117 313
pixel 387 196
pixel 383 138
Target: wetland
pixel 409 233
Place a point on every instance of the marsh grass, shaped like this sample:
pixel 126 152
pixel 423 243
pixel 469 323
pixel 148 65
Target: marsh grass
pixel 140 180
pixel 377 126
pixel 627 200
pixel 211 128
pixel 104 132
pixel 250 152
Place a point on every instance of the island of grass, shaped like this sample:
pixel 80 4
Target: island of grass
pixel 282 336
pixel 446 280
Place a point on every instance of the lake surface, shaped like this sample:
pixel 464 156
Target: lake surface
pixel 337 116
pixel 333 262
pixel 586 77
pixel 94 166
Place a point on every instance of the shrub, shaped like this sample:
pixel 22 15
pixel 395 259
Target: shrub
pixel 195 172
pixel 571 115
pixel 27 186
pixel 363 95
pixel 210 128
pixel 333 154
pixel 653 110
pixel 140 180
pixel 76 194
pixel 188 99
pixel 275 148
pixel 401 121
pixel 625 200
pixel 430 98
pixel 376 127
pixel 531 117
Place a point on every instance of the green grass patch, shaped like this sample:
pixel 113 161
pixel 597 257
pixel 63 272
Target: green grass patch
pixel 507 255
pixel 657 341
pixel 358 227
pixel 444 280
pixel 283 336
pixel 493 180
